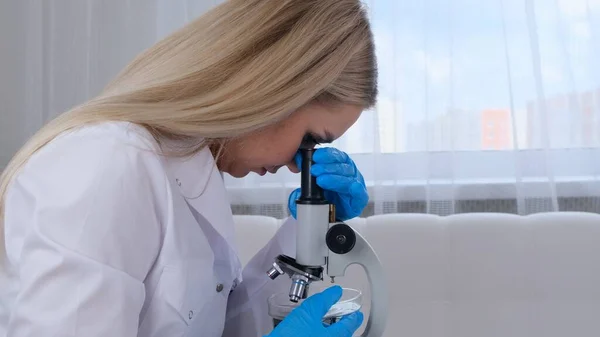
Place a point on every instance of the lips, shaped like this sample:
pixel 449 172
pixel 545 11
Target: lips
pixel 263 170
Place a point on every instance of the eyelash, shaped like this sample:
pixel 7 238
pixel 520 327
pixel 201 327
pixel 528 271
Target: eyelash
pixel 309 140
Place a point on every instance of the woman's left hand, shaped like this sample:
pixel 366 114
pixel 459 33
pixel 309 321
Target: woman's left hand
pixel 341 181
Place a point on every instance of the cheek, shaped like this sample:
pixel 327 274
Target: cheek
pixel 275 150
pixel 281 147
pixel 281 151
pixel 273 147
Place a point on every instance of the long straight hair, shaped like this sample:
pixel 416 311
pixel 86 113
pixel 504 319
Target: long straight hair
pixel 241 66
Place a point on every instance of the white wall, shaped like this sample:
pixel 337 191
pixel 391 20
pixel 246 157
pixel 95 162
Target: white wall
pixel 55 54
pixel 12 121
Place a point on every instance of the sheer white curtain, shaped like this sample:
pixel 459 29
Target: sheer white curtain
pixel 486 105
pixel 58 53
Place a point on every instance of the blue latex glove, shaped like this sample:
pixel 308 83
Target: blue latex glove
pixel 307 319
pixel 341 181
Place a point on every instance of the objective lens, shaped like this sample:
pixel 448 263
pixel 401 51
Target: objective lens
pixel 299 288
pixel 274 271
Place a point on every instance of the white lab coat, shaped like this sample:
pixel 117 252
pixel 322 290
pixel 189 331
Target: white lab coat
pixel 104 238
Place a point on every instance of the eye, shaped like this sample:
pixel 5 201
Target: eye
pixel 309 141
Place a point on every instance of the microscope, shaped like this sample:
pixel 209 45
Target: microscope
pixel 323 242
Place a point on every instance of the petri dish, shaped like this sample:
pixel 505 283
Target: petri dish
pixel 279 306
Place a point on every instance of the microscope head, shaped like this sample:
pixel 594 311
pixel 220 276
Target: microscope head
pixel 318 234
pixel 313 212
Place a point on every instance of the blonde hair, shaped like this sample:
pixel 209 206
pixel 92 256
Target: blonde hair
pixel 241 66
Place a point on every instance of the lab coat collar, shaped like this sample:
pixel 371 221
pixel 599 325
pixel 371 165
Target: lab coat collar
pixel 193 173
pixel 201 184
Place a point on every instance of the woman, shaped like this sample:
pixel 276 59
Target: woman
pixel 115 216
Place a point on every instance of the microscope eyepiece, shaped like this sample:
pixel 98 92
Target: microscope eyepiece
pixel 310 192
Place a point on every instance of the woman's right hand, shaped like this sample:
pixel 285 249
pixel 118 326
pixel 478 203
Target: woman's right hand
pixel 307 319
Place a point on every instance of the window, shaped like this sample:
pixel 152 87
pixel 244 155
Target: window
pixel 480 93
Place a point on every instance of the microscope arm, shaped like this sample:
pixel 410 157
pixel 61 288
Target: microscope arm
pixel 363 254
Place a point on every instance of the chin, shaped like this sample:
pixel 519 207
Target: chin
pixel 239 174
pixel 236 171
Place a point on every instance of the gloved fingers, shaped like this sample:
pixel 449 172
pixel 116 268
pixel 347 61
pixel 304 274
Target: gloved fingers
pixel 360 196
pixel 333 197
pixel 325 155
pixel 342 169
pixel 347 326
pixel 292 202
pixel 337 183
pixel 341 202
pixel 298 160
pixel 330 155
pixel 359 176
pixel 319 304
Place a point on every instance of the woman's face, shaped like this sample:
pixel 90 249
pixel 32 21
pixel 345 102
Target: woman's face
pixel 275 146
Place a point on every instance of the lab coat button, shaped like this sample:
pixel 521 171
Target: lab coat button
pixel 191 314
pixel 219 287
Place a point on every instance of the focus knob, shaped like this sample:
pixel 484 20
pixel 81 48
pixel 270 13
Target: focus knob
pixel 340 238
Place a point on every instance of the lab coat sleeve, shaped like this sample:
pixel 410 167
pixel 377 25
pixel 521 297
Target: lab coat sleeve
pixel 83 228
pixel 247 310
